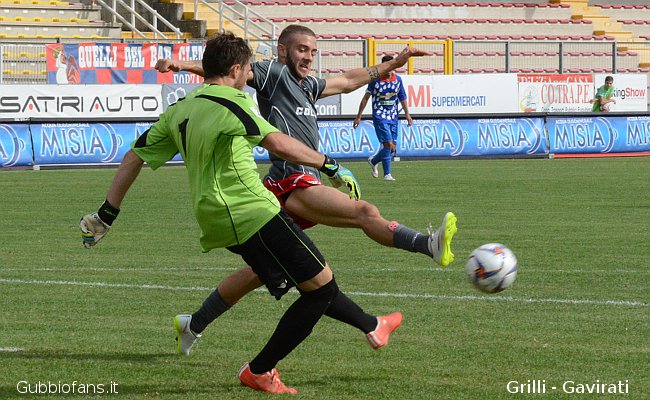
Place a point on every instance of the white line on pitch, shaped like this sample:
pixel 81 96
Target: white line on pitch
pixel 107 269
pixel 434 269
pixel 10 349
pixel 369 294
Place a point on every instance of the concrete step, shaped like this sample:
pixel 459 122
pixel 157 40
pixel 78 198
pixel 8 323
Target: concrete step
pixel 151 35
pixel 570 2
pixel 608 26
pixel 50 11
pixel 234 29
pixel 642 49
pixel 591 17
pixel 618 35
pixel 36 2
pixel 59 29
pixel 204 13
pixel 189 8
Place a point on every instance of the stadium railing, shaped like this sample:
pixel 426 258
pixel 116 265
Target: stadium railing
pixel 22 61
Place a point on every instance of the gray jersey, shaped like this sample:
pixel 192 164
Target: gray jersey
pixel 290 107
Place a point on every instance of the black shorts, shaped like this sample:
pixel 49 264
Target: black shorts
pixel 281 254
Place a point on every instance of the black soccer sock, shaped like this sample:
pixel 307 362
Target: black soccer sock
pixel 211 309
pixel 408 239
pixel 345 310
pixel 294 326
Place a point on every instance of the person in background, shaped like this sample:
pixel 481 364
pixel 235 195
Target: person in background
pixel 603 100
pixel 387 94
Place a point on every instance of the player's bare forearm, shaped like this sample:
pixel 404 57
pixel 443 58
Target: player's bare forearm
pixel 362 105
pixel 407 115
pixel 355 78
pixel 124 177
pixel 405 107
pixel 167 65
pixel 292 150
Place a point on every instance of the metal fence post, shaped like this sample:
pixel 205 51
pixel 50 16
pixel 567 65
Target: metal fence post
pixel 561 58
pixel 507 49
pixel 1 63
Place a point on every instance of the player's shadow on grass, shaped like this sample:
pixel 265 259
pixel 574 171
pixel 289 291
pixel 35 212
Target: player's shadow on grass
pixel 70 356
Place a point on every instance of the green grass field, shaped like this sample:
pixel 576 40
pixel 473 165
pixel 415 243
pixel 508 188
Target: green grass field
pixel 579 310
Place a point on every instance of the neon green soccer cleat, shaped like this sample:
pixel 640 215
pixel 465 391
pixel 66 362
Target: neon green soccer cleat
pixel 185 338
pixel 440 240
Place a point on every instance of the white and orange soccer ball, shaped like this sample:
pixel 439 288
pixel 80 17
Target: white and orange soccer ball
pixel 492 267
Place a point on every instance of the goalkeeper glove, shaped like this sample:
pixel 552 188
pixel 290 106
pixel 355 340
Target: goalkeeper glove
pixel 95 226
pixel 339 175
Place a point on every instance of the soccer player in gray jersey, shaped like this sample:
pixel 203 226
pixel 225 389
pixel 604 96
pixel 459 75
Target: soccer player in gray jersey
pixel 286 94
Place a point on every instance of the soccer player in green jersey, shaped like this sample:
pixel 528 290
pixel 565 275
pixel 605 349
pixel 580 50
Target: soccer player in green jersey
pixel 603 99
pixel 214 129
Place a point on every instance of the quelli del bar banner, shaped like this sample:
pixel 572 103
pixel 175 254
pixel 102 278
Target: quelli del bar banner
pixel 109 63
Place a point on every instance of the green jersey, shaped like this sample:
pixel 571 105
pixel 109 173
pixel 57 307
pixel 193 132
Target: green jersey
pixel 215 129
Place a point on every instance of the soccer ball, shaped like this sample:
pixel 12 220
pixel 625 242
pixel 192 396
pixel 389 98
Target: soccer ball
pixel 492 268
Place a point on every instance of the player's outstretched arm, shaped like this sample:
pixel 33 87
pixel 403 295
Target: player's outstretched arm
pixel 167 65
pixel 355 78
pixel 95 226
pixel 195 67
pixel 294 151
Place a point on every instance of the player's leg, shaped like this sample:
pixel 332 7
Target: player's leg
pixel 280 246
pixel 376 158
pixel 386 156
pixel 238 284
pixel 393 144
pixel 384 136
pixel 230 290
pixel 328 206
pixel 373 165
pixel 190 326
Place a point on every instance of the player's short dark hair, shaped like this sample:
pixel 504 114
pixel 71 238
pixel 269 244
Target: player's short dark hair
pixel 290 30
pixel 386 58
pixel 222 52
pixel 609 78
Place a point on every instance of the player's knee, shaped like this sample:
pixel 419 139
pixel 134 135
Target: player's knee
pixel 325 293
pixel 366 210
